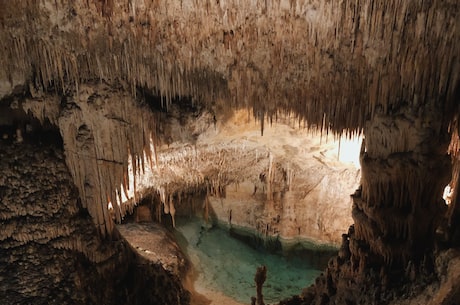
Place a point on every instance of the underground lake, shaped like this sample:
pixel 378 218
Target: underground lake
pixel 225 261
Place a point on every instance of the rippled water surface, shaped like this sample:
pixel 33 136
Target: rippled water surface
pixel 228 265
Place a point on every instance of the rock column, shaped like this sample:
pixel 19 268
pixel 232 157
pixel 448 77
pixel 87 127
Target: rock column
pixel 399 205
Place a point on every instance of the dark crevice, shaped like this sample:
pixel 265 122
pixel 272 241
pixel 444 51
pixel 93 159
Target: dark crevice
pixel 17 126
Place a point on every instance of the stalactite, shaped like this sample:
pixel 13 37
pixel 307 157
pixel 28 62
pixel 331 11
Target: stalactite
pixel 172 211
pixel 97 153
pixel 289 177
pixel 270 176
pixel 175 67
pixel 206 208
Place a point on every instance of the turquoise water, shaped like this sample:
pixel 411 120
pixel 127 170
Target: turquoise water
pixel 228 265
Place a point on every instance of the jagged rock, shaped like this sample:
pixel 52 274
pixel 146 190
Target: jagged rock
pixel 50 249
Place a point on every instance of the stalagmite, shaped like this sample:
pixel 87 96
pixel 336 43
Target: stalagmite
pixel 259 279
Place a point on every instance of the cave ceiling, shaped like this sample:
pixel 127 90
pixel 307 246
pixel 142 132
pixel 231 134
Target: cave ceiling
pixel 337 61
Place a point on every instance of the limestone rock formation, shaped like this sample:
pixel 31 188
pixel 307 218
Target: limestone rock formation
pixel 154 243
pixel 315 59
pixel 399 208
pixel 50 249
pixel 432 282
pixel 389 69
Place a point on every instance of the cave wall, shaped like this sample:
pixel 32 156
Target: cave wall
pixel 50 249
pixel 301 193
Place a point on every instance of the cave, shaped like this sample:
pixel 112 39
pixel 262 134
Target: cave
pixel 138 112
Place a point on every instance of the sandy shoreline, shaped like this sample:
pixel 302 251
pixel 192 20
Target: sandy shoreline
pixel 208 297
pixel 201 295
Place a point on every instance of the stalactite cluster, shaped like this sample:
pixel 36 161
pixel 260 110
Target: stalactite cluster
pixel 209 168
pixel 102 128
pixel 331 63
pixel 99 139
